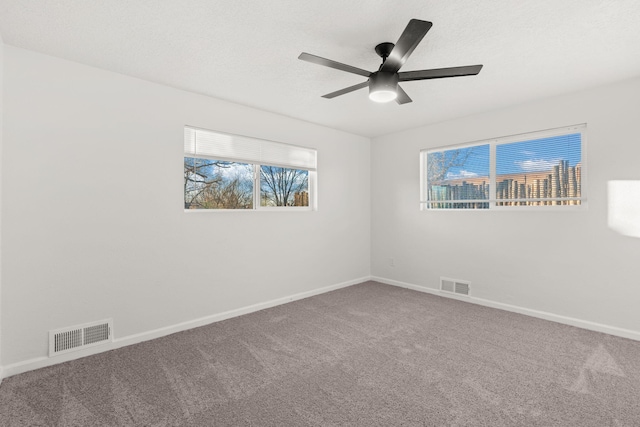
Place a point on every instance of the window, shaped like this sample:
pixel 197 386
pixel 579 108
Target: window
pixel 223 171
pixel 535 169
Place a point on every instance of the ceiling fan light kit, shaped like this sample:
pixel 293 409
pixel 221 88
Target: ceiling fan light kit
pixel 383 87
pixel 383 84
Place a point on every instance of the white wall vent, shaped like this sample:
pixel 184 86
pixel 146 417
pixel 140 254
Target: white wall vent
pixel 454 286
pixel 78 337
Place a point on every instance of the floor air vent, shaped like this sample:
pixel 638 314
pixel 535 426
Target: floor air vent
pixel 78 337
pixel 454 286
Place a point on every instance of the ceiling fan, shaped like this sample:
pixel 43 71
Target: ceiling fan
pixel 383 84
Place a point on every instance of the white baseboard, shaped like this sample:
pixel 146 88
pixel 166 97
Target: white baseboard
pixel 42 362
pixel 584 324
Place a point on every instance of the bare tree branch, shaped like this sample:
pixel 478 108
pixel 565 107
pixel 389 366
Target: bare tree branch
pixel 279 185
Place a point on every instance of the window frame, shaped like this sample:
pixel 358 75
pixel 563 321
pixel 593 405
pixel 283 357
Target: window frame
pixel 256 176
pixel 493 200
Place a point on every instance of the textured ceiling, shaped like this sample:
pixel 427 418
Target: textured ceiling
pixel 246 51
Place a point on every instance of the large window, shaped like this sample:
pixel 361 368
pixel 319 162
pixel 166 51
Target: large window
pixel 535 169
pixel 223 171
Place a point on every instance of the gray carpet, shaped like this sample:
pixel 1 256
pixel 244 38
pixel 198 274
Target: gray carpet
pixel 367 355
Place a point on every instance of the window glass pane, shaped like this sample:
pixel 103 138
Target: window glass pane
pixel 458 174
pixel 545 168
pixel 216 184
pixel 283 186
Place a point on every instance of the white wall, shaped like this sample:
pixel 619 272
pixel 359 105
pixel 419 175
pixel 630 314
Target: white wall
pixel 569 264
pixel 1 133
pixel 93 215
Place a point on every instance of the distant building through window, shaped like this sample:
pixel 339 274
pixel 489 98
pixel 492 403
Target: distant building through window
pixel 536 169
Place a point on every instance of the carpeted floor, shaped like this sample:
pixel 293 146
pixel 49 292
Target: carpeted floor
pixel 367 355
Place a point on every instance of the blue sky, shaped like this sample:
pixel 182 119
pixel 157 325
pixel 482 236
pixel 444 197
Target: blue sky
pixel 519 157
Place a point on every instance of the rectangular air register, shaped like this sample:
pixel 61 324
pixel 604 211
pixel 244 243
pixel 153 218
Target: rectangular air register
pixel 454 286
pixel 81 336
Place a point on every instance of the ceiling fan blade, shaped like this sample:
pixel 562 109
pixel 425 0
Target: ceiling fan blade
pixel 411 36
pixel 346 90
pixel 402 98
pixel 439 73
pixel 333 64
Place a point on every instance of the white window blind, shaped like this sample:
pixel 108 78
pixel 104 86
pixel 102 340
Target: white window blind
pixel 545 168
pixel 222 146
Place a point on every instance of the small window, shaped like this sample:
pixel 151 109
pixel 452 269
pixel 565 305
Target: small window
pixel 531 170
pixel 223 171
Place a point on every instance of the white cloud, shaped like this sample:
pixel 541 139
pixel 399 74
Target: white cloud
pixel 461 174
pixel 241 171
pixel 537 165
